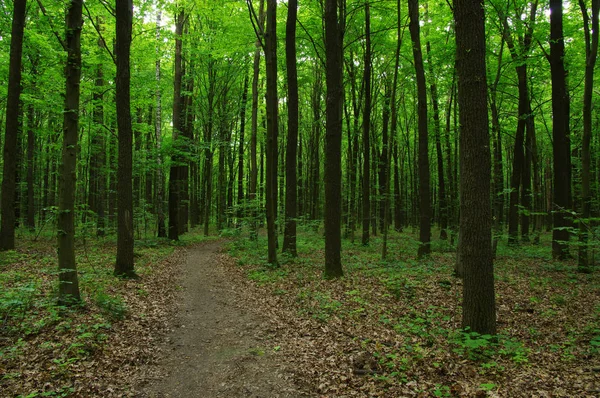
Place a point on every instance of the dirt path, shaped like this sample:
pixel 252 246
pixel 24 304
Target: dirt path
pixel 220 345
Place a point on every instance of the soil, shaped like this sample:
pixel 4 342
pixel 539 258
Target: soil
pixel 221 345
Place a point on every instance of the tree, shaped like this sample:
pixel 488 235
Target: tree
pixel 272 128
pixel 124 263
pixel 366 178
pixel 561 143
pixel 68 287
pixel 591 53
pixel 160 181
pixel 291 192
pixel 424 203
pixel 475 250
pixel 333 137
pixel 7 228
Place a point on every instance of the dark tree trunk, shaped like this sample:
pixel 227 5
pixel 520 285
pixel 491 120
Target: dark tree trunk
pixel 31 124
pixel 475 250
pixel 68 286
pixel 7 227
pixel 424 202
pixel 591 41
pixel 124 264
pixel 366 136
pixel 272 129
pixel 291 193
pixel 561 145
pixel 333 137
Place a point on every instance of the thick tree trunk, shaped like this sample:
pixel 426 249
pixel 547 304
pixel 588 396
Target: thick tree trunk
pixel 475 251
pixel 68 286
pixel 424 202
pixel 561 145
pixel 9 187
pixel 291 193
pixel 333 137
pixel 272 129
pixel 124 263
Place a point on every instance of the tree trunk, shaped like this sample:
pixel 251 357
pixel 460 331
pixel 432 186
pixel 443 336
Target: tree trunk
pixel 175 170
pixel 366 177
pixel 591 55
pixel 475 250
pixel 68 286
pixel 333 137
pixel 272 129
pixel 561 145
pixel 7 227
pixel 160 179
pixel 424 202
pixel 241 212
pixel 124 263
pixel 291 193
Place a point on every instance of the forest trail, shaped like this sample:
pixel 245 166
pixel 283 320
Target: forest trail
pixel 220 346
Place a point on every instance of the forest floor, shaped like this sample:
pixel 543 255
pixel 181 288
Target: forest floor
pixel 210 318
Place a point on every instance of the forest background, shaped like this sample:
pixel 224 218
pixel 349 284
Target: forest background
pixel 345 115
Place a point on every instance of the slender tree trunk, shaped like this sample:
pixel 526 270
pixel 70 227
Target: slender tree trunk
pixel 291 193
pixel 475 250
pixel 591 55
pixel 561 145
pixel 208 153
pixel 68 285
pixel 124 263
pixel 333 137
pixel 9 188
pixel 175 170
pixel 424 202
pixel 252 189
pixel 366 177
pixel 160 179
pixel 31 124
pixel 241 212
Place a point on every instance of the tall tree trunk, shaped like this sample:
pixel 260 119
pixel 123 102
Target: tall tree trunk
pixel 272 129
pixel 31 125
pixel 291 193
pixel 160 179
pixel 7 227
pixel 241 212
pixel 333 136
pixel 561 145
pixel 124 263
pixel 591 52
pixel 252 189
pixel 208 153
pixel 68 283
pixel 475 250
pixel 366 177
pixel 424 202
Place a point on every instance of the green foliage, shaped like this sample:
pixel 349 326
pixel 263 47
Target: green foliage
pixel 478 347
pixel 113 307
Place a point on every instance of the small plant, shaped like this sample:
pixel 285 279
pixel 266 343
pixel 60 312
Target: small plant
pixel 113 307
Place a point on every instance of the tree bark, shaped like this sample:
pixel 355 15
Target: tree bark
pixel 291 193
pixel 591 52
pixel 333 137
pixel 7 226
pixel 561 145
pixel 423 161
pixel 475 251
pixel 366 135
pixel 160 179
pixel 68 286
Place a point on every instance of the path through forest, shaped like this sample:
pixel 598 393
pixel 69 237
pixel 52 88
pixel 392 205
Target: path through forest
pixel 220 345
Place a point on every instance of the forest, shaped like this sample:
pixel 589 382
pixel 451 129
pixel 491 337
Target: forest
pixel 403 192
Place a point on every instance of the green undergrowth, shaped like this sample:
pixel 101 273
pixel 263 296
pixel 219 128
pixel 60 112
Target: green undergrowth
pixel 545 309
pixel 33 324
